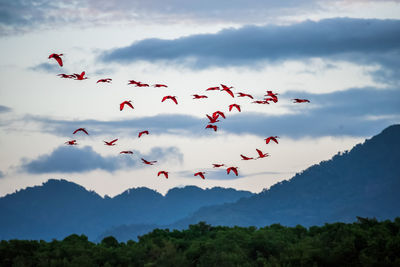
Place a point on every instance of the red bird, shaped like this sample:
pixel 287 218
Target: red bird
pixel 57 57
pixel 271 94
pixel 126 152
pixel 163 172
pixel 159 85
pixel 128 103
pixel 261 154
pixel 106 80
pixel 213 88
pixel 227 89
pixel 212 119
pixel 173 98
pixel 260 102
pixel 148 162
pixel 245 158
pixel 234 169
pixel 217 165
pixel 81 129
pixel 201 174
pixel 199 96
pixel 143 132
pixel 236 106
pixel 142 84
pixel 273 99
pixel 212 127
pixel 271 138
pixel 67 76
pixel 218 113
pixel 71 143
pixel 111 143
pixel 80 77
pixel 133 82
pixel 243 95
pixel 296 100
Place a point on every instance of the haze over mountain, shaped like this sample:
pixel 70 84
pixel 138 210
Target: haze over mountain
pixel 363 182
pixel 59 208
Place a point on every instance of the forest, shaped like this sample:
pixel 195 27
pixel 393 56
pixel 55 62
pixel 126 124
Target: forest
pixel 366 242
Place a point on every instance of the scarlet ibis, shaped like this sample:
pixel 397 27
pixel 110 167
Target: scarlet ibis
pixel 128 103
pixel 215 165
pixel 66 76
pixel 80 77
pixel 212 127
pixel 271 138
pixel 159 85
pixel 148 162
pixel 82 130
pixel 126 152
pixel 212 119
pixel 261 154
pixel 218 113
pixel 236 106
pixel 139 84
pixel 106 80
pixel 71 143
pixel 173 98
pixel 234 169
pixel 111 143
pixel 199 96
pixel 201 174
pixel 163 172
pixel 213 88
pixel 143 132
pixel 57 57
pixel 297 100
pixel 260 102
pixel 245 158
pixel 132 82
pixel 273 99
pixel 227 89
pixel 271 94
pixel 244 95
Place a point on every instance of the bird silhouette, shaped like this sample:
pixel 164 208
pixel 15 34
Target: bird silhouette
pixel 159 85
pixel 80 130
pixel 218 113
pixel 236 106
pixel 71 143
pixel 201 174
pixel 80 77
pixel 297 100
pixel 212 119
pixel 57 57
pixel 233 169
pixel 213 88
pixel 66 76
pixel 209 126
pixel 142 133
pixel 128 103
pixel 126 152
pixel 106 80
pixel 173 98
pixel 164 173
pixel 195 96
pixel 111 143
pixel 271 138
pixel 227 89
pixel 245 95
pixel 148 162
pixel 245 158
pixel 216 165
pixel 261 154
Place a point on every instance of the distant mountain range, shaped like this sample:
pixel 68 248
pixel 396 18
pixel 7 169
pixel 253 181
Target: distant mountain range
pixel 59 208
pixel 362 182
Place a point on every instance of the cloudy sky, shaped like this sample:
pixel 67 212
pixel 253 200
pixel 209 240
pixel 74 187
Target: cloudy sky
pixel 342 55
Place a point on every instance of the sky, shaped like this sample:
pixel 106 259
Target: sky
pixel 342 55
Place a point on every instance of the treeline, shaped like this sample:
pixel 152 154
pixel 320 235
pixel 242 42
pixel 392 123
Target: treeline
pixel 366 242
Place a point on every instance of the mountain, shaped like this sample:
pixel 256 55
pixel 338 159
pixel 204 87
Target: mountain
pixel 364 182
pixel 59 208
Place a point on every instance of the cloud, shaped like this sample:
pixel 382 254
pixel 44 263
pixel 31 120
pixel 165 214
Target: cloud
pixel 47 67
pixel 67 159
pixel 4 109
pixel 1 174
pixel 364 41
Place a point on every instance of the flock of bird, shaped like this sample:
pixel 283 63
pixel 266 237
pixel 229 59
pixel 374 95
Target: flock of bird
pixel 212 119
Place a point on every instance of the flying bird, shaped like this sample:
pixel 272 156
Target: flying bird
pixel 215 165
pixel 227 89
pixel 271 138
pixel 236 106
pixel 139 84
pixel 271 94
pixel 57 57
pixel 213 88
pixel 297 100
pixel 66 76
pixel 218 113
pixel 261 154
pixel 133 82
pixel 106 80
pixel 128 103
pixel 244 95
pixel 126 152
pixel 199 96
pixel 245 158
pixel 273 99
pixel 234 169
pixel 159 85
pixel 71 143
pixel 212 119
pixel 260 102
pixel 173 98
pixel 201 174
pixel 111 143
pixel 212 127
pixel 163 172
pixel 82 130
pixel 143 132
pixel 148 162
pixel 80 77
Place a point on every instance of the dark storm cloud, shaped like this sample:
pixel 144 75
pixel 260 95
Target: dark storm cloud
pixel 4 109
pixel 354 112
pixel 66 159
pixel 364 41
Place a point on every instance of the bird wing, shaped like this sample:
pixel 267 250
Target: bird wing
pixel 174 99
pixel 235 171
pixel 113 141
pixel 59 60
pixel 259 152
